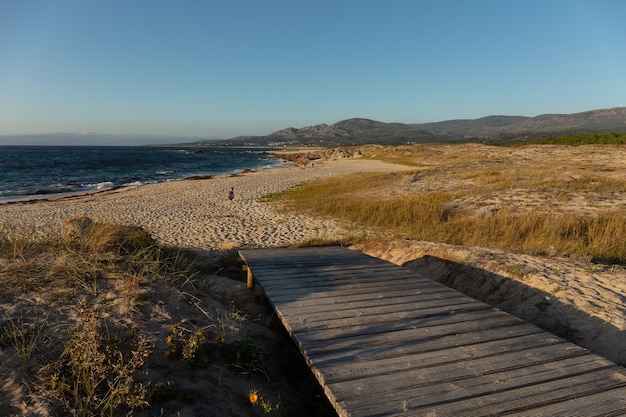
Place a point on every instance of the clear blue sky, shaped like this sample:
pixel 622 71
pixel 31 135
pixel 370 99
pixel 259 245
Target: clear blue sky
pixel 228 68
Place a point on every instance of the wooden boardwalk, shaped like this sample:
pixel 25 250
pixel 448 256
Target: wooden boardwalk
pixel 385 341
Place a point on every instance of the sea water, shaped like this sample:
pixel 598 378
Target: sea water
pixel 31 172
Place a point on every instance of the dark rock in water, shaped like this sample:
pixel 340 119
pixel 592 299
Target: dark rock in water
pixel 199 177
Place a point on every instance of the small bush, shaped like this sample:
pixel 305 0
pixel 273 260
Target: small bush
pixel 95 374
pixel 194 346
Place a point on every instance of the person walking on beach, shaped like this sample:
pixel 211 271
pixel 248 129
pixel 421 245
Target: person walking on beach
pixel 231 193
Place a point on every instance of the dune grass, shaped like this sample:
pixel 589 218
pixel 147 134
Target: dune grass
pixel 389 205
pixel 72 335
pixel 78 360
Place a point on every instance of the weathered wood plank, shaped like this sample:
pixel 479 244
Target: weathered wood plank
pixel 376 315
pixel 530 397
pixel 394 373
pixel 606 403
pixel 393 336
pixel 324 358
pixel 403 324
pixel 314 281
pixel 344 307
pixel 304 325
pixel 337 372
pixel 291 298
pixel 304 292
pixel 506 391
pixel 540 360
pixel 384 341
pixel 304 257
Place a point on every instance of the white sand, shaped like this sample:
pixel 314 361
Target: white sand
pixel 197 213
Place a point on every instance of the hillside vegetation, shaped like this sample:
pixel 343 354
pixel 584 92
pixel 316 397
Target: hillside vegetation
pixel 605 139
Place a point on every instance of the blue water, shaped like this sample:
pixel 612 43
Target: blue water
pixel 29 172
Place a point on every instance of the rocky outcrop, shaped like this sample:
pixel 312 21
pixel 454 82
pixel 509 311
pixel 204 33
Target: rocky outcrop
pixel 304 158
pixel 78 228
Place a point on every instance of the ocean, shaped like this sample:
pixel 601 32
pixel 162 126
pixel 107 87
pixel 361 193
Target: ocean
pixel 32 172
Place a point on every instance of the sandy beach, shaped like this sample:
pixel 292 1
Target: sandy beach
pixel 196 213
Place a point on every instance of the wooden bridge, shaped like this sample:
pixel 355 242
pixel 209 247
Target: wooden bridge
pixel 385 341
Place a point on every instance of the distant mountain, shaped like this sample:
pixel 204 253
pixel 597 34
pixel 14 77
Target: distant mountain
pixel 346 132
pixel 595 121
pixel 365 131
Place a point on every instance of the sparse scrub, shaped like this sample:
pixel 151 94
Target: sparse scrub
pixel 15 244
pixel 94 375
pixel 195 346
pixel 26 337
pixel 438 217
pixel 86 360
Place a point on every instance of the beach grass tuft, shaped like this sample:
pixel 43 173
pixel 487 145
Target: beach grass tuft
pixel 84 359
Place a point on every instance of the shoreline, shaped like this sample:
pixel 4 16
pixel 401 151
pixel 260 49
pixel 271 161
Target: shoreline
pixel 195 213
pixel 289 156
pixel 33 187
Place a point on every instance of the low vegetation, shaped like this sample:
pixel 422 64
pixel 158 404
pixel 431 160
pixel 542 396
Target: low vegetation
pixel 74 341
pixel 604 139
pixel 460 194
pixel 575 140
pixel 76 360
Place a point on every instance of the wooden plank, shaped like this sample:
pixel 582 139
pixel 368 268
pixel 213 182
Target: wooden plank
pixel 537 360
pixel 310 281
pixel 393 336
pixel 285 279
pixel 557 381
pixel 337 372
pixel 376 315
pixel 324 268
pixel 342 306
pixel 351 295
pixel 338 290
pixel 537 395
pixel 382 340
pixel 304 257
pixel 399 369
pixel 297 325
pixel 324 358
pixel 606 403
pixel 404 324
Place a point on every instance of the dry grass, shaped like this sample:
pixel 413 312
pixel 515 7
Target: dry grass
pixel 542 200
pixel 89 324
pixel 77 360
